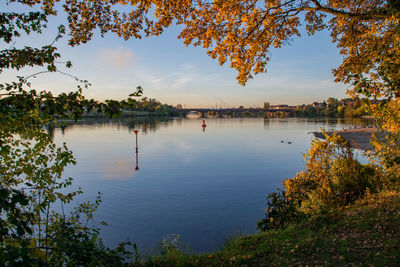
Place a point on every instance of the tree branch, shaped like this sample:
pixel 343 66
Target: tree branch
pixel 372 15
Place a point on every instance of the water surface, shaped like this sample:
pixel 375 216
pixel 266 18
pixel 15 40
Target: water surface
pixel 204 186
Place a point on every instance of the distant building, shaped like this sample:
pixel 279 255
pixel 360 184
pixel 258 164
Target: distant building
pixel 279 107
pixel 318 105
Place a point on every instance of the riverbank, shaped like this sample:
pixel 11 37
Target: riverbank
pixel 124 114
pixel 364 234
pixel 358 137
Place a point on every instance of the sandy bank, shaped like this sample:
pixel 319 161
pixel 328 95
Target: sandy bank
pixel 358 137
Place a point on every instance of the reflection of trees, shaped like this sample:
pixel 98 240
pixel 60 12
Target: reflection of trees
pixel 346 121
pixel 151 124
pixel 267 122
pixel 146 125
pixel 143 124
pixel 50 131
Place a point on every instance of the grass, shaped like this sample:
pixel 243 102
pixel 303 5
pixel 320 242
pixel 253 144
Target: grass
pixel 364 234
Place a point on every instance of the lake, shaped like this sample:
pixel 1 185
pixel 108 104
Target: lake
pixel 205 186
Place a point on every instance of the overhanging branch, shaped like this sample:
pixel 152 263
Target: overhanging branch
pixel 372 15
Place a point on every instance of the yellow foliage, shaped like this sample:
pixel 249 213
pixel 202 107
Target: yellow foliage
pixel 332 178
pixel 387 150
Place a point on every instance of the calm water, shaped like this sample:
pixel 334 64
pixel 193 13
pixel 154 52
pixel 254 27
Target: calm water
pixel 204 186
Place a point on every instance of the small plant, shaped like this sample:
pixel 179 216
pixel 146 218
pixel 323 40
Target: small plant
pixel 169 242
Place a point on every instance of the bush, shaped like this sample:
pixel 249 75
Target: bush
pixel 279 213
pixel 333 177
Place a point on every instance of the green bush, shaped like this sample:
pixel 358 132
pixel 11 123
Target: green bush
pixel 279 213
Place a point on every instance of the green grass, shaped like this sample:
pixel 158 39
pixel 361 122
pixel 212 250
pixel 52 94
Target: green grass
pixel 364 234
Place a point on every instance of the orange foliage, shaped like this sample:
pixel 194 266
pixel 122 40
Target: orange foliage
pixel 243 32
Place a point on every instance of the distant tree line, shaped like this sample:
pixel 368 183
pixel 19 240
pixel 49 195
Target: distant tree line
pixel 334 108
pixel 134 107
pixel 331 107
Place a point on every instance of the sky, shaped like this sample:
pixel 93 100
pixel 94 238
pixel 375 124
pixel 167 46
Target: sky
pixel 299 73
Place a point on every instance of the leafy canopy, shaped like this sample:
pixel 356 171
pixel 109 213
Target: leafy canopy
pixel 243 32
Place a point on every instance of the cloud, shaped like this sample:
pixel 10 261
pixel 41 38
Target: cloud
pixel 178 79
pixel 119 58
pixel 182 81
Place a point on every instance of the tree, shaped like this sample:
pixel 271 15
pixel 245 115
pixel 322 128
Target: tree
pixel 243 32
pixel 332 102
pixel 31 165
pixel 32 181
pixel 266 105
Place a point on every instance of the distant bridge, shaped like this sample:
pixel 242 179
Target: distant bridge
pixel 225 110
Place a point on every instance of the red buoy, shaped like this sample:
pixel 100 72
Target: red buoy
pixel 204 126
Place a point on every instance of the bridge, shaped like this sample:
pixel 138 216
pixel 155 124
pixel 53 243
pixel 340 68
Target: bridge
pixel 220 111
pixel 187 110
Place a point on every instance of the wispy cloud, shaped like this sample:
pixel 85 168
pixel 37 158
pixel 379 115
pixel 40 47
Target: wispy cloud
pixel 119 58
pixel 177 79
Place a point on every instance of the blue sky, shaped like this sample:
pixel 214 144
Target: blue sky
pixel 175 74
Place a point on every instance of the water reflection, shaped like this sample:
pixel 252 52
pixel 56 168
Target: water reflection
pixel 137 150
pixel 201 186
pixel 266 122
pixel 144 124
pixel 120 168
pixel 148 125
pixel 137 161
pixel 50 130
pixel 204 126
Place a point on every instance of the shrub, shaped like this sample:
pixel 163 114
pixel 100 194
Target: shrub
pixel 333 178
pixel 279 213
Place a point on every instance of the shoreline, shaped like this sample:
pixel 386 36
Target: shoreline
pixel 358 137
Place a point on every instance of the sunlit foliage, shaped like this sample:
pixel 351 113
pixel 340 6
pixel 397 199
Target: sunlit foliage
pixel 332 177
pixel 243 32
